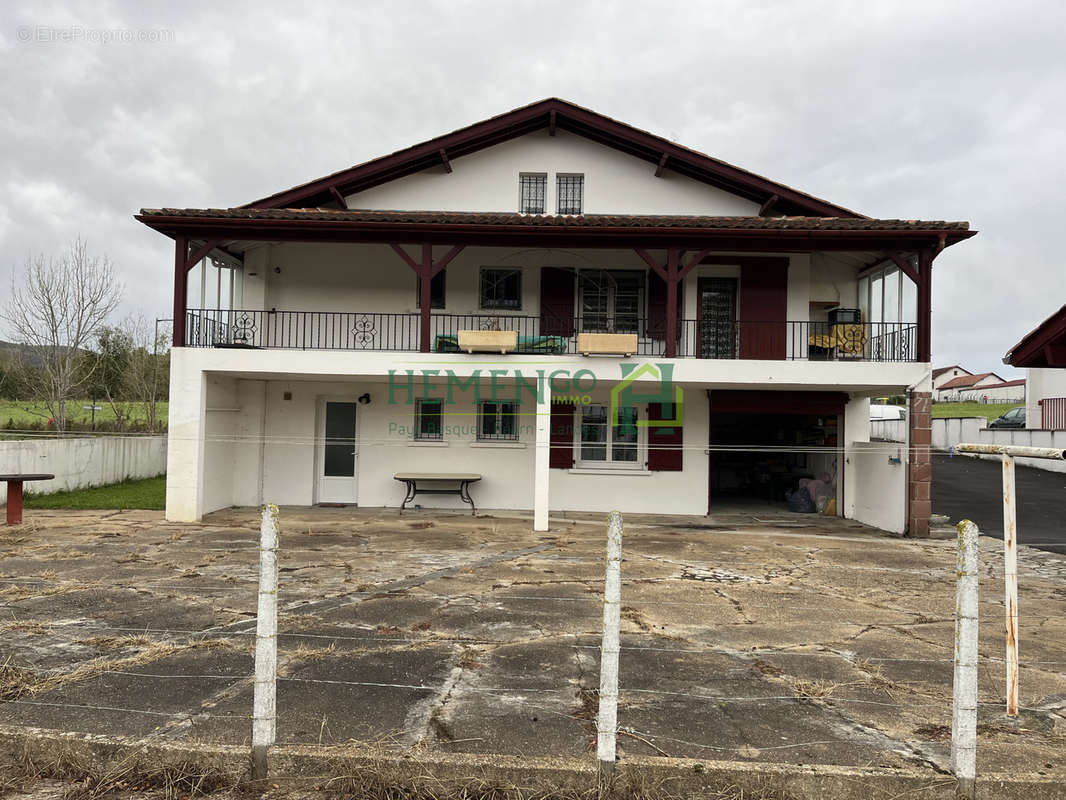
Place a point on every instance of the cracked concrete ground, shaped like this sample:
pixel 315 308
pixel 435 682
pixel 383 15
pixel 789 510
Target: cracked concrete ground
pixel 752 636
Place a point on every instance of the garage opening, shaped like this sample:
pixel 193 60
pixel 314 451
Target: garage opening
pixel 766 446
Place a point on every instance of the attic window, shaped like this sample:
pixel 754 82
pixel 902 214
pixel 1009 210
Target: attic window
pixel 532 190
pixel 571 193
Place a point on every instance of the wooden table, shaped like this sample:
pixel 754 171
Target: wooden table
pixel 464 479
pixel 14 493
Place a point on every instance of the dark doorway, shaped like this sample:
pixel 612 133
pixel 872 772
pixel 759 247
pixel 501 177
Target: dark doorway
pixel 716 317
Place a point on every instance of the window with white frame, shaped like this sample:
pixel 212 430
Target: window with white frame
pixel 532 191
pixel 608 443
pixel 610 301
pixel 501 289
pixel 570 194
pixel 429 419
pixel 497 421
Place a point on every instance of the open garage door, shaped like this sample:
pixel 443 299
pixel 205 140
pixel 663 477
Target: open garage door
pixel 765 445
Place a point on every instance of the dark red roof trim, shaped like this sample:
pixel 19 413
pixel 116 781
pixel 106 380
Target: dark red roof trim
pixel 1043 347
pixel 565 116
pixel 778 234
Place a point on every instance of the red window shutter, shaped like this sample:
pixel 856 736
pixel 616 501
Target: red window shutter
pixel 763 308
pixel 664 444
pixel 556 301
pixel 561 436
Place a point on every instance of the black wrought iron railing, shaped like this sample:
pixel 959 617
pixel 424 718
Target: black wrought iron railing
pixel 715 339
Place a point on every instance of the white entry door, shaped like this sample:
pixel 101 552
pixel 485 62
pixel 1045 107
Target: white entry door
pixel 337 451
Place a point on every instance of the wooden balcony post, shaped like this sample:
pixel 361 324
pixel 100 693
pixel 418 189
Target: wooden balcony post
pixel 671 302
pixel 425 282
pixel 672 272
pixel 925 305
pixel 181 287
pixel 426 269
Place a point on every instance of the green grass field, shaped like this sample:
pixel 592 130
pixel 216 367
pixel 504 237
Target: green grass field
pixel 33 412
pixel 148 493
pixel 989 410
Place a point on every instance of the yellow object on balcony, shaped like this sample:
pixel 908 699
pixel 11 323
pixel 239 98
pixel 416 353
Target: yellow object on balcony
pixel 846 337
pixel 488 341
pixel 611 344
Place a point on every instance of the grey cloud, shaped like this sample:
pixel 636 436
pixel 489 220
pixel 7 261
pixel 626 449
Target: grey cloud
pixel 938 109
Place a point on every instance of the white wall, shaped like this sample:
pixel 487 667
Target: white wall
pixel 81 462
pixel 949 375
pixel 881 474
pixel 615 183
pixel 994 393
pixel 385 447
pixel 1042 383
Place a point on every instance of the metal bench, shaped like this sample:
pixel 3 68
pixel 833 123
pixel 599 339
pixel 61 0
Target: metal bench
pixel 463 479
pixel 14 493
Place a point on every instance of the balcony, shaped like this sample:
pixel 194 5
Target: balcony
pixel 370 331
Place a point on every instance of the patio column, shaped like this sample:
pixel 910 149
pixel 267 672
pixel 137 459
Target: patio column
pixel 541 457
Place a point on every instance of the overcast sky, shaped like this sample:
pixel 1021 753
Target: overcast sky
pixel 933 110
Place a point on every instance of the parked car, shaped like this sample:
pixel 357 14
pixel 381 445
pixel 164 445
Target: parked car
pixel 1015 418
pixel 878 411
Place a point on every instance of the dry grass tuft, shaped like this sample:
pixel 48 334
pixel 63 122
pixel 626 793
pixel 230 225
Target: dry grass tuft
pixel 90 780
pixel 15 681
pixel 815 690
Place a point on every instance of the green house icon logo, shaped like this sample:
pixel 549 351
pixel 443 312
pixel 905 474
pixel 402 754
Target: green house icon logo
pixel 659 380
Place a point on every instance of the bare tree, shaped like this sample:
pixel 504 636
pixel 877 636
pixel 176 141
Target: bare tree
pixel 57 310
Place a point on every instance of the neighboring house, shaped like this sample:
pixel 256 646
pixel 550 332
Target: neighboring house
pixel 945 374
pixel 322 346
pixel 953 391
pixel 1043 353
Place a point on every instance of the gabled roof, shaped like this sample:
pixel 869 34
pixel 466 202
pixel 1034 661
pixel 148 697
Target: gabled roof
pixel 966 381
pixel 554 114
pixel 938 372
pixel 1045 346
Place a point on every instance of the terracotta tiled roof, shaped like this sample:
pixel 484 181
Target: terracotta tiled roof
pixel 940 371
pixel 966 381
pixel 577 221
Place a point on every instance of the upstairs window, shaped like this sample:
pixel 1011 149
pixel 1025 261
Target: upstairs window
pixel 610 301
pixel 571 194
pixel 436 291
pixel 532 190
pixel 501 289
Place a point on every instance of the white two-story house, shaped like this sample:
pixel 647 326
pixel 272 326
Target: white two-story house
pixel 586 315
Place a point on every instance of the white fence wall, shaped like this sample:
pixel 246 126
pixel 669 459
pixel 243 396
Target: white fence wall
pixel 81 462
pixel 949 432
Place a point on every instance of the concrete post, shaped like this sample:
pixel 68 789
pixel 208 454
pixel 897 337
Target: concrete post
pixel 607 719
pixel 1010 582
pixel 264 710
pixel 964 695
pixel 541 460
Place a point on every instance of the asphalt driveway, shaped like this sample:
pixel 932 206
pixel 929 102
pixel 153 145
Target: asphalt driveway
pixel 971 488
